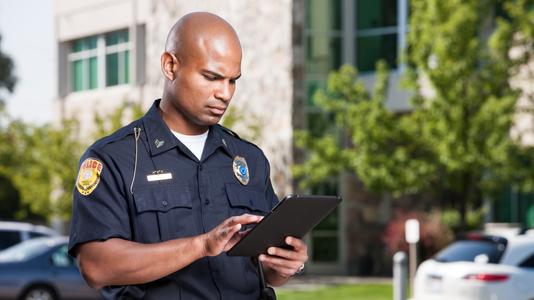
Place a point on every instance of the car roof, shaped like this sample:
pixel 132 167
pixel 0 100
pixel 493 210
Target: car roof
pixel 23 226
pixel 519 248
pixel 58 239
pixel 50 241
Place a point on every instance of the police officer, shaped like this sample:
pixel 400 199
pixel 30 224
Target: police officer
pixel 157 203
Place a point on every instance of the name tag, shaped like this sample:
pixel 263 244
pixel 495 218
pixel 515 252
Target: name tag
pixel 158 177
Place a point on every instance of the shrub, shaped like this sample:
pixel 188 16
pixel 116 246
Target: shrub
pixel 434 235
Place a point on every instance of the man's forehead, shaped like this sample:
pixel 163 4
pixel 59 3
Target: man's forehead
pixel 222 66
pixel 218 55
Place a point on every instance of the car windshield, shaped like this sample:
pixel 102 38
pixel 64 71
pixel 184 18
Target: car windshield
pixel 472 250
pixel 24 251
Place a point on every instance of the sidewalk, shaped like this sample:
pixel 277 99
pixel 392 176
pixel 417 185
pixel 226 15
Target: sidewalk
pixel 311 282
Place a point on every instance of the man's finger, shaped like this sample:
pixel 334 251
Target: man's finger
pixel 282 270
pixel 285 253
pixel 244 219
pixel 297 244
pixel 280 262
pixel 281 266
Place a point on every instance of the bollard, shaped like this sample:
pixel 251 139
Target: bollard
pixel 400 275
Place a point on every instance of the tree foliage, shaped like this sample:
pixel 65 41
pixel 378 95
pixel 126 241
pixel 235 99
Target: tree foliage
pixel 42 161
pixel 7 76
pixel 456 139
pixel 44 168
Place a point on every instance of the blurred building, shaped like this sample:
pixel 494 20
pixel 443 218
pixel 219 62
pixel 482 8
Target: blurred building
pixel 109 53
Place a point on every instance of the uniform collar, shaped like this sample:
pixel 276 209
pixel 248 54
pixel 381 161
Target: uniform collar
pixel 217 140
pixel 160 138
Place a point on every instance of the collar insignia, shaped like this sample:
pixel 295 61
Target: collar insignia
pixel 159 143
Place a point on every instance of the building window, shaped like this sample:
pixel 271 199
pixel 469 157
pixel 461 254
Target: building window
pixel 117 58
pixel 100 61
pixel 84 64
pixel 325 239
pixel 376 30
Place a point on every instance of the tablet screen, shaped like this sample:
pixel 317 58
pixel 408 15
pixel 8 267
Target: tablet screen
pixel 294 216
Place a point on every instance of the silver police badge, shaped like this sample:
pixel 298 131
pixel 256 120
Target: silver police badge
pixel 241 170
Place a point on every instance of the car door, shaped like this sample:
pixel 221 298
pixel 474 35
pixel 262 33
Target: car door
pixel 67 278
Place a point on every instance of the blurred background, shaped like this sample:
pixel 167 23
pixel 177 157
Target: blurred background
pixel 408 109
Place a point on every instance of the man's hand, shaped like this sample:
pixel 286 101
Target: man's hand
pixel 226 235
pixel 283 263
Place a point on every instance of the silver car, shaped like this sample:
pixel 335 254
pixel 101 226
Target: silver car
pixel 12 233
pixel 41 269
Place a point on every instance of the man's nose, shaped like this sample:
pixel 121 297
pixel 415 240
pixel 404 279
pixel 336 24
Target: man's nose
pixel 225 91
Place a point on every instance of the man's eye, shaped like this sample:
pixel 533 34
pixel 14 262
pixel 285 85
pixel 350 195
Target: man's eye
pixel 210 78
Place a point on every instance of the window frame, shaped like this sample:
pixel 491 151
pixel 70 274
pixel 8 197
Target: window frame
pixel 101 53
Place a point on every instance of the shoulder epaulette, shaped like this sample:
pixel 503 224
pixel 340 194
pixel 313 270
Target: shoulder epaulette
pixel 230 132
pixel 118 135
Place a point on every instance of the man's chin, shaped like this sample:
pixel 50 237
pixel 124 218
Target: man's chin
pixel 211 120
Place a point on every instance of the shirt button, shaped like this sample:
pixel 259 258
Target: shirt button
pixel 207 201
pixel 200 167
pixel 164 202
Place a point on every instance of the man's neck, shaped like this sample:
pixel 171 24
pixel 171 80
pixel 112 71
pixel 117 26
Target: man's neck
pixel 176 121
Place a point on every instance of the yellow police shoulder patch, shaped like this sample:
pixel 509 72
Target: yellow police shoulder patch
pixel 89 176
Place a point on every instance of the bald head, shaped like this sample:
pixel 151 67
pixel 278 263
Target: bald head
pixel 201 33
pixel 201 65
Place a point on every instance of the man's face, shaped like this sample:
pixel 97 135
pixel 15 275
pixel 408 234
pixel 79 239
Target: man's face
pixel 205 83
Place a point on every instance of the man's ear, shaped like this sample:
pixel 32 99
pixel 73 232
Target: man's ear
pixel 168 65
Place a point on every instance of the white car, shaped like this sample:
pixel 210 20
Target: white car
pixel 479 267
pixel 12 233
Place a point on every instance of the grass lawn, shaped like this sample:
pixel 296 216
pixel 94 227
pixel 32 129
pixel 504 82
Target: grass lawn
pixel 341 292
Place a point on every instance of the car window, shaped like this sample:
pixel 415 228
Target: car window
pixel 35 234
pixel 24 251
pixel 528 263
pixel 9 238
pixel 60 258
pixel 471 250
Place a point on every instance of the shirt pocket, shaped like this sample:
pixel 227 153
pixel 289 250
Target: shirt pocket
pixel 244 199
pixel 163 213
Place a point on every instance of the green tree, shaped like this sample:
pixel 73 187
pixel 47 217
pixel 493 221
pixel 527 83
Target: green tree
pixel 45 167
pixel 9 197
pixel 105 124
pixel 43 160
pixel 7 77
pixel 456 141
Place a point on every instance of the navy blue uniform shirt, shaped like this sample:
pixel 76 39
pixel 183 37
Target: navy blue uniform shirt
pixel 188 197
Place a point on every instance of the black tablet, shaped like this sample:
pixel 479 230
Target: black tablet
pixel 294 216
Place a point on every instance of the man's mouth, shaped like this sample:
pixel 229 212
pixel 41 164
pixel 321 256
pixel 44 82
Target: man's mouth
pixel 217 110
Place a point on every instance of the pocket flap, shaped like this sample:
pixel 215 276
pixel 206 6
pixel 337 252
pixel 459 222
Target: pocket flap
pixel 242 196
pixel 162 198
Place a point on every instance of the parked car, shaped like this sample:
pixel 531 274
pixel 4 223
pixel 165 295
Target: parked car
pixel 12 233
pixel 479 267
pixel 40 268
